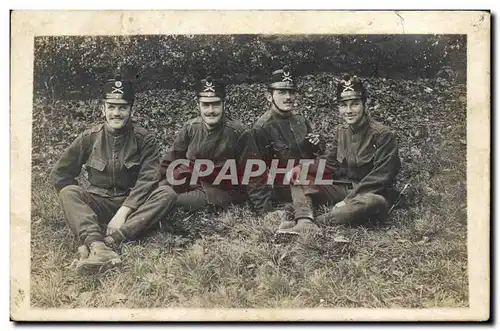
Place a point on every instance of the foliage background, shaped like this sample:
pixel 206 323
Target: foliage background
pixel 404 75
pixel 417 87
pixel 74 67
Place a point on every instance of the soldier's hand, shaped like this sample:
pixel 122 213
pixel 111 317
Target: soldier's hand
pixel 313 138
pixel 340 204
pixel 292 175
pixel 118 220
pixel 288 177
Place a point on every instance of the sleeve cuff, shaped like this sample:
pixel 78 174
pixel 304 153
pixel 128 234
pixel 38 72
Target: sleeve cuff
pixel 130 205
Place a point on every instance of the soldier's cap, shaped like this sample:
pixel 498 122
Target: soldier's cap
pixel 282 79
pixel 118 91
pixel 350 88
pixel 210 90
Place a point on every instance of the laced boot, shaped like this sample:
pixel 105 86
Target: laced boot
pixel 286 225
pixel 83 252
pixel 101 258
pixel 303 226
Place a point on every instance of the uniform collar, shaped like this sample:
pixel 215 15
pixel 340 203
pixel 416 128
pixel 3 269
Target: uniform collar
pixel 117 133
pixel 217 127
pixel 361 126
pixel 279 114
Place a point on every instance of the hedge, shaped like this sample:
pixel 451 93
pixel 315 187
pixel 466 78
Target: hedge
pixel 73 67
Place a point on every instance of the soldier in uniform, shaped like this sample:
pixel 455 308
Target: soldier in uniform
pixel 123 196
pixel 363 163
pixel 282 133
pixel 210 136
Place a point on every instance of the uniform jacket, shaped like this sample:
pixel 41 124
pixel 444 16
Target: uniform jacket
pixel 282 137
pixel 229 140
pixel 118 164
pixel 366 156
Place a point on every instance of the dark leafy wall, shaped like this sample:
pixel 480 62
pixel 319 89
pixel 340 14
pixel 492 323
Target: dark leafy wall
pixel 70 67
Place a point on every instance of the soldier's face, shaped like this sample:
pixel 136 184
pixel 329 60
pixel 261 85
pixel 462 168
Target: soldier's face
pixel 211 112
pixel 284 99
pixel 352 111
pixel 117 115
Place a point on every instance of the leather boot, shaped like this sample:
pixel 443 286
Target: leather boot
pixel 101 258
pixel 83 252
pixel 286 225
pixel 303 225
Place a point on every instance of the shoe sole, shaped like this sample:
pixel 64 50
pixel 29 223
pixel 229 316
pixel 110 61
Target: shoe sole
pixel 285 237
pixel 298 233
pixel 284 231
pixel 85 267
pixel 285 228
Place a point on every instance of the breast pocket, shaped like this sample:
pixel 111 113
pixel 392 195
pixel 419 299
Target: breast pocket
pixel 96 172
pixel 132 164
pixel 130 172
pixel 95 163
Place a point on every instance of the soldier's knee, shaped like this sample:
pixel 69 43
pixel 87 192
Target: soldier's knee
pixel 374 200
pixel 166 193
pixel 70 190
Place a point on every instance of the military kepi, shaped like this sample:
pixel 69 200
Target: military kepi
pixel 350 88
pixel 210 90
pixel 282 79
pixel 118 91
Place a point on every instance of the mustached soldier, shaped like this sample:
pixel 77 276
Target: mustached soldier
pixel 211 136
pixel 282 134
pixel 123 196
pixel 363 162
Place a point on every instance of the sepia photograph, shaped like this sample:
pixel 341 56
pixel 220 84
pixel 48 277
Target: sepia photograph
pixel 236 172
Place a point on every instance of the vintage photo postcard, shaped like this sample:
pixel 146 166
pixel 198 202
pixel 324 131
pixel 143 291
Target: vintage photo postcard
pixel 250 166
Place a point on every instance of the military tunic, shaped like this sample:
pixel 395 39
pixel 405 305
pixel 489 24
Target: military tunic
pixel 122 171
pixel 283 137
pixel 227 141
pixel 363 162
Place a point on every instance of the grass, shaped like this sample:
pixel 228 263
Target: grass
pixel 418 259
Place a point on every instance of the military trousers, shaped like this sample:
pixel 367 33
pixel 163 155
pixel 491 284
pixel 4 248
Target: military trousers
pixel 88 213
pixel 204 195
pixel 356 211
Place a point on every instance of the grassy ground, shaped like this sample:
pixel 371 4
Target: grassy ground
pixel 232 259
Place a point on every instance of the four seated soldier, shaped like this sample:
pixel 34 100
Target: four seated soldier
pixel 121 159
pixel 211 136
pixel 284 135
pixel 363 162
